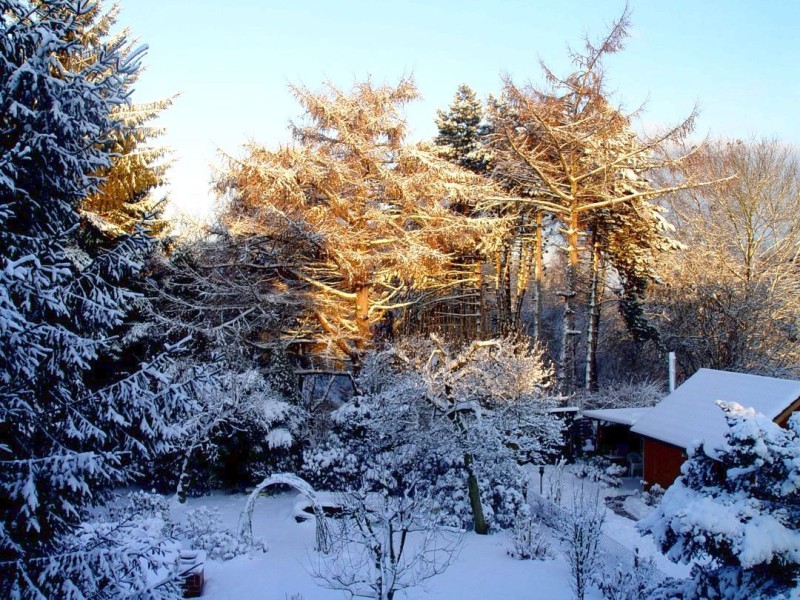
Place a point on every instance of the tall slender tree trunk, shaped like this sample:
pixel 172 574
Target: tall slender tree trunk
pixel 538 277
pixel 504 289
pixel 480 325
pixel 526 257
pixel 184 476
pixel 565 374
pixel 473 489
pixel 593 322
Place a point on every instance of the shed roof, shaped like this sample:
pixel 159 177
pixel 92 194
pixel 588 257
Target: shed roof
pixel 690 412
pixel 622 416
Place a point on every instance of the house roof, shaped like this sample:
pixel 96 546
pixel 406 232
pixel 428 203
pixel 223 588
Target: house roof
pixel 690 412
pixel 622 416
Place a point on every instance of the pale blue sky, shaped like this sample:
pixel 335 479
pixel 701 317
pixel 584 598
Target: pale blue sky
pixel 231 61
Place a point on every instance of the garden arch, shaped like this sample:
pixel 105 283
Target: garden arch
pixel 302 486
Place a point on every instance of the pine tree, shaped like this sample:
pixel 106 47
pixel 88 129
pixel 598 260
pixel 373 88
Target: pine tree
pixel 64 440
pixel 462 132
pixel 460 140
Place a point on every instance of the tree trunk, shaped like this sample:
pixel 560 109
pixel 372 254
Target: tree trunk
pixel 362 315
pixel 481 527
pixel 538 277
pixel 566 369
pixel 526 265
pixel 480 327
pixel 593 322
pixel 503 285
pixel 183 478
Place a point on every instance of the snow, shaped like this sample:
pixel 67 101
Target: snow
pixel 690 412
pixel 482 569
pixel 622 416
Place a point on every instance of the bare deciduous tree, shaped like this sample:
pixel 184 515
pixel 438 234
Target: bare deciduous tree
pixel 579 529
pixel 732 297
pixel 221 289
pixel 383 543
pixel 503 380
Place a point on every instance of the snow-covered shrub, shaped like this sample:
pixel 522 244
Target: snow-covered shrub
pixel 231 404
pixel 579 528
pixel 553 484
pixel 597 468
pixel 736 517
pixel 653 496
pixel 146 506
pixel 386 541
pixel 149 504
pixel 527 539
pixel 630 582
pixel 479 410
pixel 203 530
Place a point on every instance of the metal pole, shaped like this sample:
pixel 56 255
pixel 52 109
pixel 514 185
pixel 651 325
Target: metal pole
pixel 671 372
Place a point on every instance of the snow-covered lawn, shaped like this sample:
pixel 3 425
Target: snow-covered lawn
pixel 482 570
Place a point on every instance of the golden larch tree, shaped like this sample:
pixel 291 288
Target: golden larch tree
pixel 358 216
pixel 576 156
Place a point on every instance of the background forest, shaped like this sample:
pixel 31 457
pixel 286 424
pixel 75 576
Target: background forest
pixel 352 288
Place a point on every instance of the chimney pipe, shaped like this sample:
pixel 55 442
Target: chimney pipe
pixel 671 372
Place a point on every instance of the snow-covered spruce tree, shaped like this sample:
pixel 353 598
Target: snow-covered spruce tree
pixel 736 517
pixel 230 402
pixel 461 131
pixel 63 439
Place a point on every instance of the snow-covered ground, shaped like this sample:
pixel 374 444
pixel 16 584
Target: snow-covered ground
pixel 482 570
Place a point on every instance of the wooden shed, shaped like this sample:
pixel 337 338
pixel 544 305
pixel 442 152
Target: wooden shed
pixel 690 414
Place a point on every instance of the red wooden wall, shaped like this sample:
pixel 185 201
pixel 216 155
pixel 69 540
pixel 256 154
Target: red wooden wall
pixel 662 462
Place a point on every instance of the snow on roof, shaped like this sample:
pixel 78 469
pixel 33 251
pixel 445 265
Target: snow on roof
pixel 563 409
pixel 690 412
pixel 622 416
